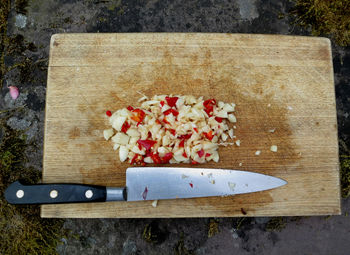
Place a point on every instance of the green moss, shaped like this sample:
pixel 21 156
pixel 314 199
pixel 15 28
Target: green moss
pixel 326 18
pixel 23 231
pixel 4 12
pixel 213 228
pixel 68 20
pixel 239 223
pixel 276 224
pixel 180 248
pixel 345 175
pixel 153 234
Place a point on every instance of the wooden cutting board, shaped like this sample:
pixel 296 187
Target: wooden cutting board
pixel 278 82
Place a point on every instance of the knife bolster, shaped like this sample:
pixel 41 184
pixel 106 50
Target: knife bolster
pixel 116 194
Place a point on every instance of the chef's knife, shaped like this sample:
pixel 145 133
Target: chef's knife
pixel 148 183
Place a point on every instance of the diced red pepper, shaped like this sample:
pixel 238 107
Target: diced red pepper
pixel 209 102
pixel 191 184
pixel 174 112
pixel 167 157
pixel 172 131
pixel 195 129
pixel 147 144
pixel 200 153
pixel 137 159
pixel 187 136
pixel 194 162
pixel 130 108
pixel 149 134
pixel 158 122
pixel 165 121
pixel 125 127
pixel 171 101
pixel 209 135
pixel 207 154
pixel 209 112
pixel 182 143
pixel 133 160
pixel 209 106
pixel 156 159
pixel 218 119
pixel 184 154
pixel 109 113
pixel 162 103
pixel 138 115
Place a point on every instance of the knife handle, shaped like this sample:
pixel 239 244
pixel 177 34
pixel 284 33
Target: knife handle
pixel 18 193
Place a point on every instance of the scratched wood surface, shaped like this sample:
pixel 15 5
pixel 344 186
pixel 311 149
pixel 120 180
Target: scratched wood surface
pixel 278 82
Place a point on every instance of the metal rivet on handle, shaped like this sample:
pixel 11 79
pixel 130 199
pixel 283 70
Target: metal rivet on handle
pixel 19 193
pixel 53 193
pixel 89 193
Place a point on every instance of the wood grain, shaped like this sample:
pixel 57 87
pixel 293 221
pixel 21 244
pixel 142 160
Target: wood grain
pixel 278 82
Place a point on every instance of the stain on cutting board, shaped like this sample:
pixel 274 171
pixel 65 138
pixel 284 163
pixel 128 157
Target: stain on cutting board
pixel 256 113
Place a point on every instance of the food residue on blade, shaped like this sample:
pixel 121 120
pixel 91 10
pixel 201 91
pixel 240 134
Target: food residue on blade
pixel 212 182
pixel 231 185
pixel 191 184
pixel 183 176
pixel 144 193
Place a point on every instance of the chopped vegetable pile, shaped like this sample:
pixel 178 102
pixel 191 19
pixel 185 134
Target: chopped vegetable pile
pixel 171 129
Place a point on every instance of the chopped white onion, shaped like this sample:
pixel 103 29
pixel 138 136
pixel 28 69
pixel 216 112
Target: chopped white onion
pixel 120 138
pixel 186 131
pixel 228 108
pixel 118 123
pixel 133 132
pixel 154 203
pixel 123 153
pixel 108 133
pixel 230 133
pixel 232 118
pixel 273 148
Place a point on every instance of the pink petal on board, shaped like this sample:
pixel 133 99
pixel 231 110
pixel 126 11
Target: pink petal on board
pixel 14 92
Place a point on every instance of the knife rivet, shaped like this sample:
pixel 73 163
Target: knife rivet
pixel 53 193
pixel 89 193
pixel 19 193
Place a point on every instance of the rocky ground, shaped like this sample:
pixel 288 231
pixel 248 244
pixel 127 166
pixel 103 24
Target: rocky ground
pixel 30 26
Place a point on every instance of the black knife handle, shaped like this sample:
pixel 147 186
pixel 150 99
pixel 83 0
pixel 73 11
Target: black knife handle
pixel 18 193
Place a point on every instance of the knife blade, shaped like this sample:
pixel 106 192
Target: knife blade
pixel 148 183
